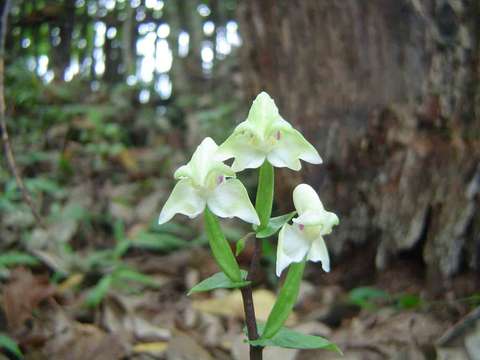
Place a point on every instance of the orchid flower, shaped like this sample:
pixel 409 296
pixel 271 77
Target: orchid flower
pixel 304 238
pixel 266 136
pixel 206 181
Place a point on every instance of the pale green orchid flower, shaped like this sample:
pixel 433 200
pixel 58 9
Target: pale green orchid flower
pixel 304 238
pixel 206 181
pixel 266 136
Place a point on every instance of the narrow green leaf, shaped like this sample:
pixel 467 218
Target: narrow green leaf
pixel 241 243
pixel 264 199
pixel 119 230
pixel 7 343
pixel 158 241
pixel 133 275
pixel 409 301
pixel 274 224
pixel 12 258
pixel 219 281
pixel 366 296
pixel 98 293
pixel 291 339
pixel 221 248
pixel 285 301
pixel 240 246
pixel 121 248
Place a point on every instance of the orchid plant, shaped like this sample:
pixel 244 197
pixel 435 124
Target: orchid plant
pixel 207 185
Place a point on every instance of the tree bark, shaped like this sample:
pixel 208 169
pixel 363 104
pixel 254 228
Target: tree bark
pixel 388 92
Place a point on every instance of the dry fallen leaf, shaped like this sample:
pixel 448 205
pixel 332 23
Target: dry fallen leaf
pixel 231 305
pixel 75 341
pixel 151 347
pixel 69 283
pixel 22 295
pixel 184 347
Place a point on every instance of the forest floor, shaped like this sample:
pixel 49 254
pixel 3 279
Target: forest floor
pixel 388 320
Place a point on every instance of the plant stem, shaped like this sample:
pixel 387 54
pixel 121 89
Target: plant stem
pixel 263 205
pixel 248 307
pixel 264 200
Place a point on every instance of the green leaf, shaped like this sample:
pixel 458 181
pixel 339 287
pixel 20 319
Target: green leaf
pixel 158 241
pixel 264 199
pixel 287 338
pixel 119 230
pixel 173 228
pixel 12 258
pixel 366 296
pixel 7 343
pixel 240 246
pixel 274 224
pixel 285 301
pixel 98 293
pixel 219 281
pixel 133 275
pixel 220 247
pixel 241 243
pixel 121 248
pixel 409 301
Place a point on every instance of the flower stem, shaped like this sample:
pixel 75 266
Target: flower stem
pixel 264 200
pixel 263 205
pixel 248 306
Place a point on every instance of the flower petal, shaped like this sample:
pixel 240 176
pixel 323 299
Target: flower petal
pixel 319 252
pixel 185 200
pixel 305 199
pixel 199 165
pixel 231 199
pixel 291 247
pixel 290 147
pixel 295 140
pixel 326 219
pixel 263 113
pixel 282 156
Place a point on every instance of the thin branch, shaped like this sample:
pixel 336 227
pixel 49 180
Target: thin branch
pixel 3 125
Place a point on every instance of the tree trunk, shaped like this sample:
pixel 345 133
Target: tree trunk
pixel 388 92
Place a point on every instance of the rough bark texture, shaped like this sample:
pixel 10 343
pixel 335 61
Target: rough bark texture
pixel 388 92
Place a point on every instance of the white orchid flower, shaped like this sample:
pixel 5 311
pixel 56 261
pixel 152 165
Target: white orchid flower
pixel 206 181
pixel 304 238
pixel 265 135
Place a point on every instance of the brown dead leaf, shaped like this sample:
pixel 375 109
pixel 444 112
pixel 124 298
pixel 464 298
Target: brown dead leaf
pixel 22 295
pixel 85 342
pixel 184 347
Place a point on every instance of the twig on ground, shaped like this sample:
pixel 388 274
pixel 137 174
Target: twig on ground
pixel 459 328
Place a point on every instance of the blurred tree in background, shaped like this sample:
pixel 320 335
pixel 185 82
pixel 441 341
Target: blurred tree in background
pixel 388 91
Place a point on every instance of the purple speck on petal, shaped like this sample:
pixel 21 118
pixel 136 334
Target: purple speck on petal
pixel 220 179
pixel 278 135
pixel 301 227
